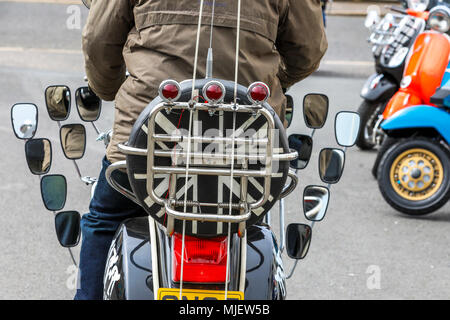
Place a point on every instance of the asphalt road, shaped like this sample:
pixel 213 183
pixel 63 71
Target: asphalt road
pixel 363 249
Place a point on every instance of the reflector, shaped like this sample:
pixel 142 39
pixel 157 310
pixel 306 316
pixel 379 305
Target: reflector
pixel 214 91
pixel 169 90
pixel 258 92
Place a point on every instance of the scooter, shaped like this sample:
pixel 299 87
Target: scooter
pixel 426 67
pixel 207 160
pixel 413 165
pixel 391 40
pixel 414 172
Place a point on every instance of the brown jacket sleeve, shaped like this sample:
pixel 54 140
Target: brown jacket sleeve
pixel 104 36
pixel 301 41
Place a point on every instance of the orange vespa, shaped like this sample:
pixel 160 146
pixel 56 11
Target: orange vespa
pixel 423 73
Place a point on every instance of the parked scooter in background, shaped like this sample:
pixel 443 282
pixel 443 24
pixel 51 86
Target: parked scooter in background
pixel 424 72
pixel 392 38
pixel 413 165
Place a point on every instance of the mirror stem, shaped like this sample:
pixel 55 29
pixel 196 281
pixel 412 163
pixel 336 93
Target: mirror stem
pixel 95 128
pixel 292 270
pixel 77 169
pixel 282 235
pixel 312 132
pixel 73 259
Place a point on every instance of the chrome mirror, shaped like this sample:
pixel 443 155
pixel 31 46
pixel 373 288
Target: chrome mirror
pixel 315 202
pixel 38 153
pixel 67 225
pixel 315 110
pixel 331 165
pixel 89 105
pixel 289 110
pixel 54 191
pixel 303 144
pixel 24 118
pixel 73 140
pixel 58 102
pixel 298 240
pixel 346 128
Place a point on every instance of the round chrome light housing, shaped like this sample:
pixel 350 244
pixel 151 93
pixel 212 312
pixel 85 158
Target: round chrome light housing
pixel 258 92
pixel 214 92
pixel 169 91
pixel 439 19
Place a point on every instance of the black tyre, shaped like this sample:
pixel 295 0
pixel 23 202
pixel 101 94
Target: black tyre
pixel 387 143
pixel 413 176
pixel 369 112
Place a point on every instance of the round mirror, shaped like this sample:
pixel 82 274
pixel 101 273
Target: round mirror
pixel 73 140
pixel 67 225
pixel 24 118
pixel 38 153
pixel 347 128
pixel 331 165
pixel 303 144
pixel 88 104
pixel 298 240
pixel 315 202
pixel 315 110
pixel 54 192
pixel 58 101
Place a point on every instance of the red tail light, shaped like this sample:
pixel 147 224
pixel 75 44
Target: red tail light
pixel 214 91
pixel 169 91
pixel 205 259
pixel 258 92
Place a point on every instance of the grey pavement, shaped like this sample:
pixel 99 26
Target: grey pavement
pixel 360 237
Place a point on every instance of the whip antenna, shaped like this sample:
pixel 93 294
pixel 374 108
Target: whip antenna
pixel 209 58
pixel 197 44
pixel 236 69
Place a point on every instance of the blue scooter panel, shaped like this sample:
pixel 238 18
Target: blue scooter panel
pixel 420 117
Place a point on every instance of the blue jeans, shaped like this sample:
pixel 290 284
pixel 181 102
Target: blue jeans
pixel 108 209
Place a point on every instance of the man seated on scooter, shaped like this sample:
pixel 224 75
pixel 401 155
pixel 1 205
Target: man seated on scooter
pixel 281 43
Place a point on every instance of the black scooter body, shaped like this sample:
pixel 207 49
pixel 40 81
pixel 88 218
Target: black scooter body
pixel 128 274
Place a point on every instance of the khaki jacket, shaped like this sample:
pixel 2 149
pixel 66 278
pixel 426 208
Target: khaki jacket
pixel 282 42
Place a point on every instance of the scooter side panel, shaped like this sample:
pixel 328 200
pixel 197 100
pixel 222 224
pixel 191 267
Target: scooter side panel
pixel 129 267
pixel 383 90
pixel 420 117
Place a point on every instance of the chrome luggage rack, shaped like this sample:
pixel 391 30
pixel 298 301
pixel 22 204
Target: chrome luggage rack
pixel 203 166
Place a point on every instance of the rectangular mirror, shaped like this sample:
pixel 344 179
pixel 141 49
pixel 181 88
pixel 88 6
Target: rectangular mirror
pixel 315 110
pixel 347 128
pixel 24 118
pixel 303 144
pixel 73 140
pixel 89 105
pixel 289 110
pixel 58 102
pixel 298 240
pixel 67 225
pixel 54 192
pixel 315 202
pixel 331 165
pixel 38 153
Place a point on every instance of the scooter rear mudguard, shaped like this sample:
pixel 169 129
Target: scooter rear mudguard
pixel 418 117
pixel 128 274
